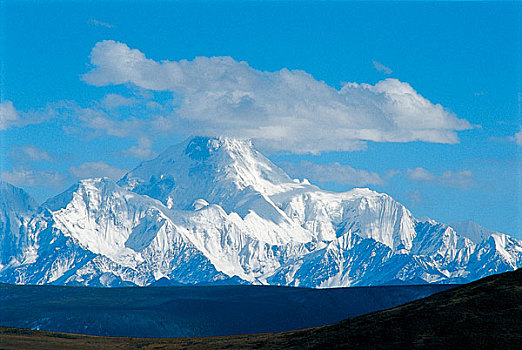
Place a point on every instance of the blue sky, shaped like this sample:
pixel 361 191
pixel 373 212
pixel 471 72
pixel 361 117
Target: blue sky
pixel 441 135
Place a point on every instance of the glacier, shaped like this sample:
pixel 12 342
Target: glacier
pixel 214 210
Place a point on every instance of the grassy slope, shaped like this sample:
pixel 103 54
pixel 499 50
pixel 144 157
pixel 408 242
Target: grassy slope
pixel 485 314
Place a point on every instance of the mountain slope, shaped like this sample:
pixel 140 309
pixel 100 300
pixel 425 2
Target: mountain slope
pixel 486 314
pixel 215 210
pixel 97 233
pixel 16 209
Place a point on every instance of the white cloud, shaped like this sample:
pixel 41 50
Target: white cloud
pixel 392 173
pixel 111 101
pixel 282 110
pixel 333 172
pixel 97 169
pixel 420 174
pixel 9 116
pixel 141 151
pixel 381 67
pixel 98 120
pixel 24 176
pixel 31 153
pixel 462 179
pixel 98 23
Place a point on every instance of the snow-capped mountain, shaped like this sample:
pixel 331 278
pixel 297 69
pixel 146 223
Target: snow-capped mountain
pixel 215 210
pixel 16 209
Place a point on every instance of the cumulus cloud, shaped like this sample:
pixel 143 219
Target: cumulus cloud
pixel 24 176
pixel 282 110
pixel 462 179
pixel 333 172
pixel 97 169
pixel 381 67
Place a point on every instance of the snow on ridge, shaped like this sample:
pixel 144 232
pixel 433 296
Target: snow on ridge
pixel 213 209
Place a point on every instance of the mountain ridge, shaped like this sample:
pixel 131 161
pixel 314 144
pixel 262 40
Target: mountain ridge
pixel 211 210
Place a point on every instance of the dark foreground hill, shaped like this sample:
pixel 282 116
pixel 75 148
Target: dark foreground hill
pixel 486 314
pixel 195 311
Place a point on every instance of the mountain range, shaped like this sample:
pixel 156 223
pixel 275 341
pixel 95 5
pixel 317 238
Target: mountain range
pixel 216 211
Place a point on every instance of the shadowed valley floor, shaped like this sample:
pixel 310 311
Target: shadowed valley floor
pixel 482 315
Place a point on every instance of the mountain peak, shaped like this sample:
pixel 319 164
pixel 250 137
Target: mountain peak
pixel 201 147
pixel 82 187
pixel 212 168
